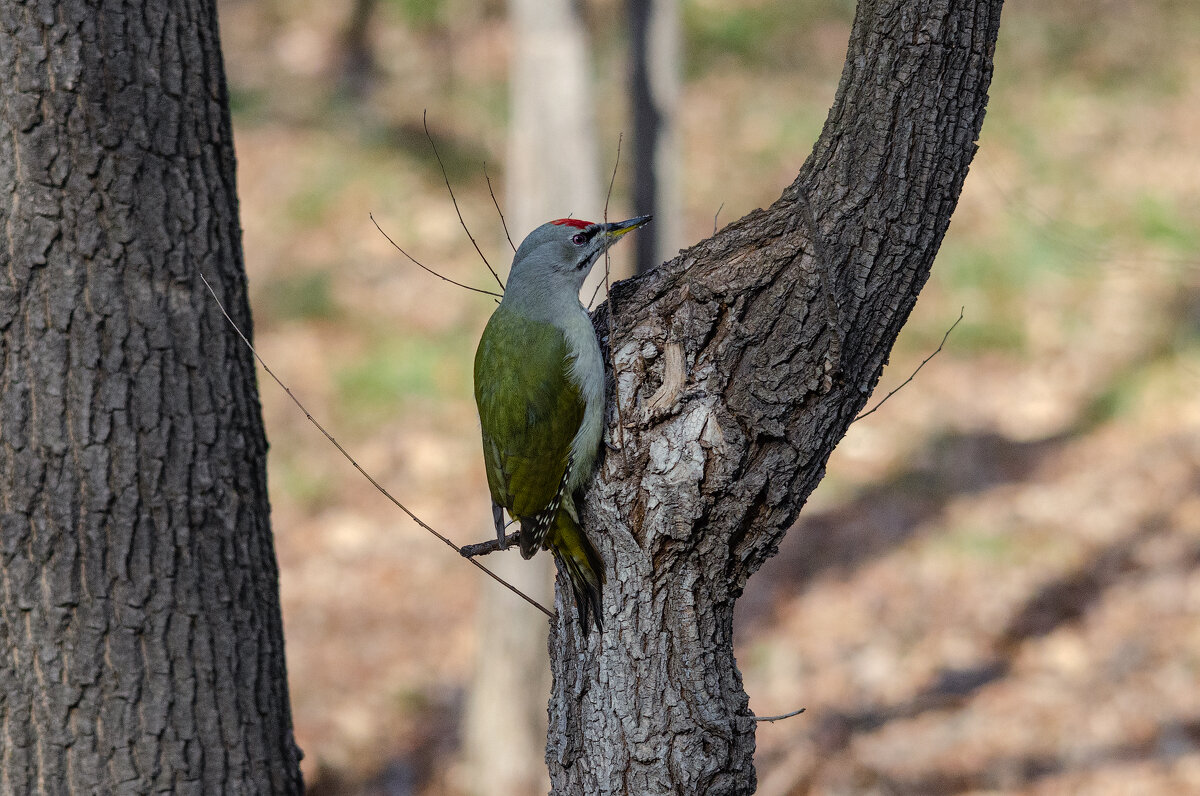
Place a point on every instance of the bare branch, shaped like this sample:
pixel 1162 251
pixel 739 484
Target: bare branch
pixel 503 223
pixel 717 215
pixel 612 361
pixel 446 179
pixel 490 546
pixel 918 370
pixel 424 267
pixel 358 467
pixel 775 718
pixel 596 292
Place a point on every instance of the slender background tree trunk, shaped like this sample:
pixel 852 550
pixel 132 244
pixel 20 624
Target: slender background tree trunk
pixel 551 90
pixel 141 647
pixel 739 366
pixel 356 67
pixel 655 63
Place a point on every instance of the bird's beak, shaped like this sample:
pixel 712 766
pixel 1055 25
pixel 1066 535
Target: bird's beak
pixel 617 229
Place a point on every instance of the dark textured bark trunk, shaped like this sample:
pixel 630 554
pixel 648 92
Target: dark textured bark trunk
pixel 141 647
pixel 739 366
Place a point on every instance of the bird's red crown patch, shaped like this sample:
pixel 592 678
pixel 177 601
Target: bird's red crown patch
pixel 572 222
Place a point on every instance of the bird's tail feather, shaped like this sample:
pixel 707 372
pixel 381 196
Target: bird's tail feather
pixel 579 560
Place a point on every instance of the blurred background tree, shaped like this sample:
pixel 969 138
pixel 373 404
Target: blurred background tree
pixel 1013 535
pixel 552 170
pixel 655 74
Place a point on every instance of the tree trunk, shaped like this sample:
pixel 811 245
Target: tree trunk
pixel 142 641
pixel 356 68
pixel 739 366
pixel 654 88
pixel 551 90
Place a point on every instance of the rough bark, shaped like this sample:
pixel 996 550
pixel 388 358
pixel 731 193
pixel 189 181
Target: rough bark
pixel 141 647
pixel 739 366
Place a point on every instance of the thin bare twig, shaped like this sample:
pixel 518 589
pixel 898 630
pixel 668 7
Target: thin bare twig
pixel 422 266
pixel 358 467
pixel 612 354
pixel 503 223
pixel 595 293
pixel 913 375
pixel 446 179
pixel 717 215
pixel 775 718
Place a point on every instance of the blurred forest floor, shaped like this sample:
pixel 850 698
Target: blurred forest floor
pixel 997 586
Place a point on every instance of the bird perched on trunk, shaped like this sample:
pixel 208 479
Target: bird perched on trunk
pixel 539 384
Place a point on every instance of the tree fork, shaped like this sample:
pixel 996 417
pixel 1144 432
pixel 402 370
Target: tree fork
pixel 711 476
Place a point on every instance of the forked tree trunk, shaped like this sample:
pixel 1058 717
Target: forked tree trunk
pixel 739 366
pixel 141 648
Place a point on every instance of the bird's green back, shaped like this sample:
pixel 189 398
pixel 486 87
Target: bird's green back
pixel 529 410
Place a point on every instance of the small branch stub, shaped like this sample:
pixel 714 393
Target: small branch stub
pixel 490 546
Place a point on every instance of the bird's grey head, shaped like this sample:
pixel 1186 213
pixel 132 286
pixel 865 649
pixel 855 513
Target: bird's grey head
pixel 559 254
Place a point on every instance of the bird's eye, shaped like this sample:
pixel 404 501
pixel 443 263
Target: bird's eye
pixel 579 239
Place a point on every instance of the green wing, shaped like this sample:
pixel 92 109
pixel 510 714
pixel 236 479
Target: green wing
pixel 529 409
